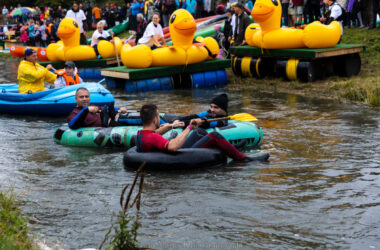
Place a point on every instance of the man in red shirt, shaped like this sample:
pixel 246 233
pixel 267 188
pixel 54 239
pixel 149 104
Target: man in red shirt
pixel 150 139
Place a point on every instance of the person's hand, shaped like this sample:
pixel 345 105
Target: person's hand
pixel 132 32
pixel 85 33
pixel 322 19
pixel 49 67
pixel 229 39
pixel 195 123
pixel 123 110
pixel 112 34
pixel 244 42
pixel 177 124
pixel 93 109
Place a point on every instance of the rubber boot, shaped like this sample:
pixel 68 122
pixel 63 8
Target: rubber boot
pixel 104 116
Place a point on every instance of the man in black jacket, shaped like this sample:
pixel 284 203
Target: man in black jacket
pixel 227 30
pixel 169 6
pixel 242 21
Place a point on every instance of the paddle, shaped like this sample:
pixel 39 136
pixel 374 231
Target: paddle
pixel 116 54
pixel 245 117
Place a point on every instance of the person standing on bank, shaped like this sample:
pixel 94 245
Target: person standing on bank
pixel 80 17
pixel 334 13
pixel 242 21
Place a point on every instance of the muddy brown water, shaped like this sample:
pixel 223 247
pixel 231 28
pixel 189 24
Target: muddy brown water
pixel 320 189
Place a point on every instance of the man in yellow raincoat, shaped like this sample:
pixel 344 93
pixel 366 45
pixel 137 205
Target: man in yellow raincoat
pixel 31 75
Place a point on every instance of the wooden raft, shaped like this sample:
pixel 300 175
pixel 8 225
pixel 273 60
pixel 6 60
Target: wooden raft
pixel 123 72
pixel 304 53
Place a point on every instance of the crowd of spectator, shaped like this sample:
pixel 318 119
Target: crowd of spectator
pixel 298 12
pixel 38 28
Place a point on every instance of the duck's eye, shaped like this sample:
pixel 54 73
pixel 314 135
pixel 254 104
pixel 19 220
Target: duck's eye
pixel 172 18
pixel 75 24
pixel 275 2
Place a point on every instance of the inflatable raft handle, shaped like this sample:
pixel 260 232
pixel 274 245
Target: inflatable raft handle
pixel 102 81
pixel 102 91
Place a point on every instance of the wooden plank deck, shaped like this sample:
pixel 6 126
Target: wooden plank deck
pixel 340 49
pixel 152 72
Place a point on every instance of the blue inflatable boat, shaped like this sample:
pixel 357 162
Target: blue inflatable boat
pixel 51 102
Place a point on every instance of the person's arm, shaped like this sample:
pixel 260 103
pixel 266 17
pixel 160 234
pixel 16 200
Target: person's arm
pixel 168 126
pixel 32 74
pixel 76 121
pixel 50 77
pixel 177 142
pixel 187 119
pixel 155 40
pixel 163 40
pixel 108 38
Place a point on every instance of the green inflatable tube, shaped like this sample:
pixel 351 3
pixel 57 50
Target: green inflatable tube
pixel 100 137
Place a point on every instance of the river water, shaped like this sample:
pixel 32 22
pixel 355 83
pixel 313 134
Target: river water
pixel 320 189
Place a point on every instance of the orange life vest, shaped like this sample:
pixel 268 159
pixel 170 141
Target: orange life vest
pixel 69 80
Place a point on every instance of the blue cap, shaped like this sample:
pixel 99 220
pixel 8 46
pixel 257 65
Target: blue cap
pixel 29 51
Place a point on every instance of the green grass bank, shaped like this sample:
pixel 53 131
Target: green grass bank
pixel 14 231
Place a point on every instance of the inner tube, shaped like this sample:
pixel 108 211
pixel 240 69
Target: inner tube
pixel 183 159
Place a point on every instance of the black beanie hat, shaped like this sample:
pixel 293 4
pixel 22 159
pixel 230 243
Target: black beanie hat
pixel 221 100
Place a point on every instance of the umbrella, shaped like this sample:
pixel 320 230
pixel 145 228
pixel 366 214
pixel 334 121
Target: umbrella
pixel 20 11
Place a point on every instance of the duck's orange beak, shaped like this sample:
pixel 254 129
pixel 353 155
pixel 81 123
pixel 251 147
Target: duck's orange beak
pixel 186 26
pixel 261 12
pixel 65 32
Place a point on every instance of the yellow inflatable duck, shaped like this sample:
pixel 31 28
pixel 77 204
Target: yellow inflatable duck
pixel 182 28
pixel 69 48
pixel 268 34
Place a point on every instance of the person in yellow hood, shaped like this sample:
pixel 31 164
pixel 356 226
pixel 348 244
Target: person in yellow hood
pixel 31 75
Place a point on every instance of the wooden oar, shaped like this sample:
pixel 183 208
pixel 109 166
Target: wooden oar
pixel 116 54
pixel 245 117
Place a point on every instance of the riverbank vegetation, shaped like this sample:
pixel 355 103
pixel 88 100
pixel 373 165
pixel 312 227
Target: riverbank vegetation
pixel 14 231
pixel 366 86
pixel 363 88
pixel 122 233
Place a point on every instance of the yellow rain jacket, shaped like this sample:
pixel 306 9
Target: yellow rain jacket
pixel 31 77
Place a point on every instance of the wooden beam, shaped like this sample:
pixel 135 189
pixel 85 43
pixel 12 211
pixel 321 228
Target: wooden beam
pixel 114 74
pixel 339 52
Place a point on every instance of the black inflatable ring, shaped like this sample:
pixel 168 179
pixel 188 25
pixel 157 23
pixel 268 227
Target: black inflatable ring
pixel 188 158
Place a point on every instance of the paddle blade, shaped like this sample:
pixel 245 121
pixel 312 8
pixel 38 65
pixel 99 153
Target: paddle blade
pixel 245 117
